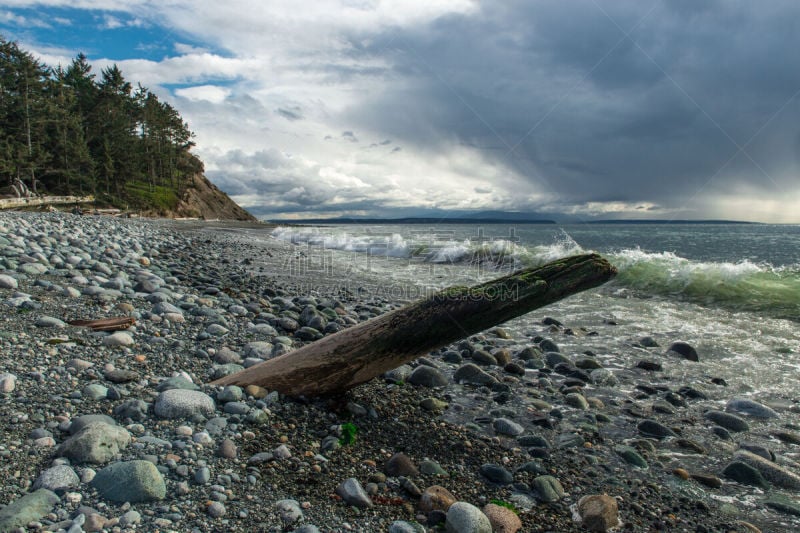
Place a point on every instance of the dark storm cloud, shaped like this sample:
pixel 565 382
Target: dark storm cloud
pixel 559 93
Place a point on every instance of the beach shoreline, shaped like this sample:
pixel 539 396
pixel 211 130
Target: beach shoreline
pixel 206 296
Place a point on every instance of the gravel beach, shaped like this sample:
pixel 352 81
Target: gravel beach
pixel 120 431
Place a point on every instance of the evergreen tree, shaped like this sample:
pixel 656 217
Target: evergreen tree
pixel 62 131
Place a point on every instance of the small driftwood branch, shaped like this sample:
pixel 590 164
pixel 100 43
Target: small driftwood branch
pixel 105 324
pixel 352 356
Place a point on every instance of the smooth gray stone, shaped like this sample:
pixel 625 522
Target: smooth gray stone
pixel 684 350
pixel 548 488
pixel 401 526
pixel 783 503
pixel 651 428
pixel 57 478
pixel 772 472
pixel 554 358
pixel 289 511
pixel 96 443
pixel 749 407
pixel 49 322
pixel 504 426
pixel 176 382
pixel 745 474
pixel 463 517
pixel 497 474
pixel 427 376
pixel 130 481
pixel 353 493
pixel 181 403
pixel 471 373
pixel 306 528
pixel 631 456
pixel 95 391
pixel 7 282
pixel 258 349
pixel 728 421
pixel 80 422
pixel 401 373
pixel 29 508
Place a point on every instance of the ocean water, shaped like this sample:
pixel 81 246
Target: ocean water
pixel 733 291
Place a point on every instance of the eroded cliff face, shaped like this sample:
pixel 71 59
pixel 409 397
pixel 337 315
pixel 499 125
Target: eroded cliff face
pixel 203 199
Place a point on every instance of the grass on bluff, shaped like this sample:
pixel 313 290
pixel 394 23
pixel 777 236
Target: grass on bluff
pixel 157 197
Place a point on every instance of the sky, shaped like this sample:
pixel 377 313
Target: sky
pixel 671 109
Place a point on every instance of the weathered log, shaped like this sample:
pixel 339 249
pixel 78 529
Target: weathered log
pixel 352 356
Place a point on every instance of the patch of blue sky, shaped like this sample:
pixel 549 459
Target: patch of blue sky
pixel 115 35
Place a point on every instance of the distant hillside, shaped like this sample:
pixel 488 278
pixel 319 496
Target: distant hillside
pixel 412 220
pixel 64 132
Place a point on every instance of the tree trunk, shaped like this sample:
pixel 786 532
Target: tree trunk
pixel 352 356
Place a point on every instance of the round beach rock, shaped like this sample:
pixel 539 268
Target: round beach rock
pixel 427 376
pixel 57 478
pixel 685 350
pixel 746 406
pixel 599 512
pixel 503 519
pixel 95 443
pixel 118 338
pixel 130 481
pixel 181 403
pixel 463 517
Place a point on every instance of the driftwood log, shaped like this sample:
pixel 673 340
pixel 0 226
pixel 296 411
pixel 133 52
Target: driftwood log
pixel 105 324
pixel 352 356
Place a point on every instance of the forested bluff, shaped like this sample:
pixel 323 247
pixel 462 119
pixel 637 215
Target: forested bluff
pixel 68 131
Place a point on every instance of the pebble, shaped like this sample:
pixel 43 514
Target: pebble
pixel 433 405
pixel 496 474
pixel 57 478
pixel 783 503
pixel 7 282
pixel 548 488
pixel 353 493
pixel 684 350
pixel 576 400
pixel 289 511
pixel 651 428
pixel 400 464
pixel 709 480
pixel 180 403
pixel 118 338
pixel 502 519
pixel 470 373
pixel 772 472
pixel 130 518
pixel 29 508
pixel 307 528
pixel 130 481
pixel 49 322
pixel 504 426
pixel 95 443
pixel 728 421
pixel 599 512
pixel 631 456
pixel 401 526
pixel 427 376
pixel 463 517
pixel 745 406
pixel 227 449
pixel 8 382
pixel 434 498
pixel 216 510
